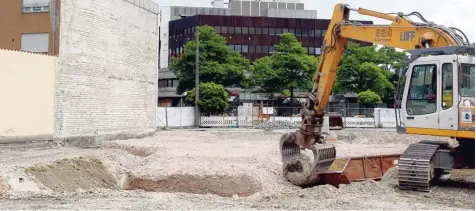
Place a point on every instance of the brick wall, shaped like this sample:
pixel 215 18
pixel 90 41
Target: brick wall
pixel 107 69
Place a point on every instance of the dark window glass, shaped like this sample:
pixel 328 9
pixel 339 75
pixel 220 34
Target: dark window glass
pixel 238 48
pixel 237 30
pixel 421 97
pixel 259 30
pixel 265 31
pixel 259 49
pixel 285 30
pixel 231 30
pixel 279 31
pixel 224 30
pixel 298 32
pixel 265 49
pixel 252 30
pixel 244 48
pixel 232 47
pixel 272 31
pixel 252 48
pixel 305 32
pixel 312 33
pixel 217 29
pixel 245 30
pixel 310 50
pixel 271 49
pixel 293 31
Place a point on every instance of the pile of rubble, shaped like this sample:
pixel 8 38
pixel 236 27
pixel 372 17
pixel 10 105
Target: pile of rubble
pixel 269 125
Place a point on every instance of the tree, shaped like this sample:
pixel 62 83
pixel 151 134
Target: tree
pixel 218 63
pixel 213 98
pixel 289 68
pixel 366 68
pixel 368 98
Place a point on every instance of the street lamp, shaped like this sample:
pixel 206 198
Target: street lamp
pixel 197 84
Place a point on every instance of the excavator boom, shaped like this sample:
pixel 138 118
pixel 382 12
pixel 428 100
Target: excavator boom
pixel 401 33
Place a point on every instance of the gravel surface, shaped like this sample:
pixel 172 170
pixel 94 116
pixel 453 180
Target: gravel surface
pixel 210 169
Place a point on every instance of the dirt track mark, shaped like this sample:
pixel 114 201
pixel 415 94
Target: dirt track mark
pixel 222 185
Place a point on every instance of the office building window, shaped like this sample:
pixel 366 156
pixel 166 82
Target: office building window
pixel 317 51
pixel 232 47
pixel 265 49
pixel 279 31
pixel 217 29
pixel 244 48
pixel 259 49
pixel 305 32
pixel 224 29
pixel 259 31
pixel 298 32
pixel 231 30
pixel 293 31
pixel 271 49
pixel 265 31
pixel 245 30
pixel 252 48
pixel 312 33
pixel 272 31
pixel 238 48
pixel 37 43
pixel 33 6
pixel 251 30
pixel 237 30
pixel 285 30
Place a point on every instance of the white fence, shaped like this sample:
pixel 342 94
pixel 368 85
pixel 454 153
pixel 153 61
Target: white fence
pixel 185 117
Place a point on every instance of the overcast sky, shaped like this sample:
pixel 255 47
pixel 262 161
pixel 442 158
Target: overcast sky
pixel 455 13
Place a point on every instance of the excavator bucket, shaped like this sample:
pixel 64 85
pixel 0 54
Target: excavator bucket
pixel 336 121
pixel 354 169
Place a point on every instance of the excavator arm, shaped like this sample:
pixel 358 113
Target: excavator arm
pixel 401 33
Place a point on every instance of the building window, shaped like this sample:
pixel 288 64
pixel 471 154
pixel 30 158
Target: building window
pixel 252 48
pixel 272 31
pixel 305 32
pixel 298 32
pixel 310 50
pixel 312 33
pixel 317 51
pixel 245 30
pixel 237 30
pixel 224 30
pixel 37 43
pixel 259 49
pixel 324 33
pixel 265 49
pixel 265 31
pixel 259 31
pixel 252 30
pixel 231 30
pixel 238 48
pixel 217 29
pixel 271 49
pixel 244 48
pixel 279 31
pixel 232 47
pixel 33 6
pixel 293 31
pixel 167 83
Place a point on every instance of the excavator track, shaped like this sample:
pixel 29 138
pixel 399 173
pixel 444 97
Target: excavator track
pixel 415 170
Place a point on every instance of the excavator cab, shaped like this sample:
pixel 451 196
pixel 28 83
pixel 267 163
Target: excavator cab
pixel 437 100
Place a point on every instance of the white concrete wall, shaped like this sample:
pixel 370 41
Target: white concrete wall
pixel 27 95
pixel 176 117
pixel 107 68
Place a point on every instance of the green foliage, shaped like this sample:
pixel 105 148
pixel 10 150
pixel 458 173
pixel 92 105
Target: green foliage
pixel 213 98
pixel 368 98
pixel 366 68
pixel 218 63
pixel 288 68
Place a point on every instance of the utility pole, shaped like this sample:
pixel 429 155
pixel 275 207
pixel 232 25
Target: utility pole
pixel 197 84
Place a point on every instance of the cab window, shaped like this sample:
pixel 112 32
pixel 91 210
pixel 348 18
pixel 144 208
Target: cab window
pixel 421 97
pixel 466 76
pixel 447 86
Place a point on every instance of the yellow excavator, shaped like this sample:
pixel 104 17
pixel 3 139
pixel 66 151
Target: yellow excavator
pixel 436 98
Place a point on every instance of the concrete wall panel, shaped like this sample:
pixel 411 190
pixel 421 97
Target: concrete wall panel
pixel 27 90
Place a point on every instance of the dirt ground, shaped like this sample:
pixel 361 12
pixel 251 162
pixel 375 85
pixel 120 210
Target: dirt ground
pixel 211 169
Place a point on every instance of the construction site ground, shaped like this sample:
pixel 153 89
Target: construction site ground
pixel 206 169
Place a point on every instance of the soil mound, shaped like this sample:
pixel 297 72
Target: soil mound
pixel 221 185
pixel 70 175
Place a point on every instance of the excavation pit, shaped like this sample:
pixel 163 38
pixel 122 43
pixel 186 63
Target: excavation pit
pixel 222 185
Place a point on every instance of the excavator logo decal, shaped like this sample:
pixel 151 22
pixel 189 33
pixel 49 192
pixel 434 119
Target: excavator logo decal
pixel 383 35
pixel 407 36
